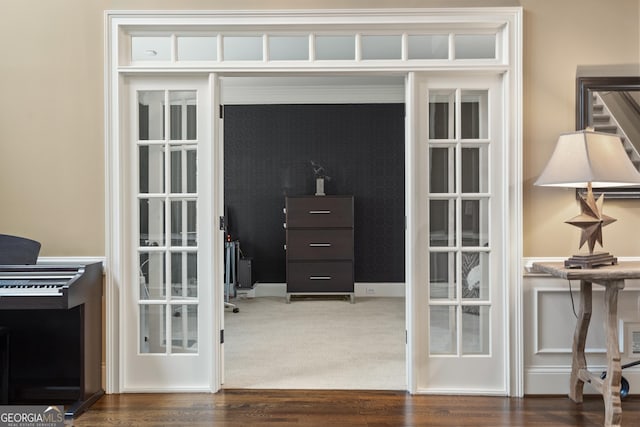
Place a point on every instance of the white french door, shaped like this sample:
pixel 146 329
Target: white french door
pixel 459 278
pixel 167 325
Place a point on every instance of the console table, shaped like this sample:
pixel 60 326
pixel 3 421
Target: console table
pixel 612 277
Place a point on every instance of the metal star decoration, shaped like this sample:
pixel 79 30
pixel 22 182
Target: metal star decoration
pixel 591 220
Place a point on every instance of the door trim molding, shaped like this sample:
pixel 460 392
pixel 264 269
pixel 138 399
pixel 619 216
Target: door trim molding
pixel 510 43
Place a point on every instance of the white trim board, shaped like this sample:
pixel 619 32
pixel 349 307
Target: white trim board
pixel 554 380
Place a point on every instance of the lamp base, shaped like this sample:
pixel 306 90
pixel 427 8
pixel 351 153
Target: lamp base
pixel 590 260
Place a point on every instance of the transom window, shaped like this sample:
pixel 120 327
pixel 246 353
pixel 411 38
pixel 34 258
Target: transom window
pixel 277 47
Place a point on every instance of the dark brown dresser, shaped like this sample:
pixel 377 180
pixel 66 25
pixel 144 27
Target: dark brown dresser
pixel 319 245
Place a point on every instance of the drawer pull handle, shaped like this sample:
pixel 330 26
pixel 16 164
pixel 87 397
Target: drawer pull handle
pixel 319 277
pixel 320 245
pixel 319 212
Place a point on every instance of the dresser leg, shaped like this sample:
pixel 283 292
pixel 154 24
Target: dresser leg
pixel 611 384
pixel 579 361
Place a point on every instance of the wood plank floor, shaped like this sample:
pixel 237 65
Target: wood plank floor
pixel 236 408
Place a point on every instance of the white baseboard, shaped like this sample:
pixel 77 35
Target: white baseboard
pixel 555 380
pixel 361 290
pixel 365 289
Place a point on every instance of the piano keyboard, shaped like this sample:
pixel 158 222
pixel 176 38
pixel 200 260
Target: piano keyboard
pixel 23 287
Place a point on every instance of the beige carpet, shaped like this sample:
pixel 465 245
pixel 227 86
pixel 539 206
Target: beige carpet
pixel 316 344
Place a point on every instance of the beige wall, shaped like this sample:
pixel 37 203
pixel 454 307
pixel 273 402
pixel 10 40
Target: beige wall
pixel 51 110
pixel 559 37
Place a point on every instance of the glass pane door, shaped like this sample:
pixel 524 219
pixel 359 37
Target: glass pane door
pixel 464 312
pixel 167 223
pixel 459 246
pixel 168 310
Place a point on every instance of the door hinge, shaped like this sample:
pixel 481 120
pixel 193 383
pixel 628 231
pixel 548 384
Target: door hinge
pixel 221 111
pixel 406 337
pixel 222 225
pixel 221 336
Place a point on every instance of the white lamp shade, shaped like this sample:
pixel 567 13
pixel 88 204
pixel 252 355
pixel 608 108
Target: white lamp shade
pixel 589 157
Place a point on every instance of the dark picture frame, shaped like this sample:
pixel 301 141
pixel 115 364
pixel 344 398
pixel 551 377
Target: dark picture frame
pixel 585 87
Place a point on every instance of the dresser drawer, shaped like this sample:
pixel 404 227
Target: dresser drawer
pixel 319 211
pixel 320 276
pixel 303 244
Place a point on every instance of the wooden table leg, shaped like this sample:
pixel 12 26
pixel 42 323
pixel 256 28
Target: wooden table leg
pixel 576 385
pixel 611 384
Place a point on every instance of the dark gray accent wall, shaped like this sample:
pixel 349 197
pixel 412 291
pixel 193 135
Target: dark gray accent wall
pixel 268 151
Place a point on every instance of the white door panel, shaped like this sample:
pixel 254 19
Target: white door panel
pixel 166 307
pixel 460 218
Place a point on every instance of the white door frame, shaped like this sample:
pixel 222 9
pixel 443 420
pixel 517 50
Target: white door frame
pixel 505 22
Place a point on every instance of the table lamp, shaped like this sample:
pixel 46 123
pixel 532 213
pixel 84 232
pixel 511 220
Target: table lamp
pixel 587 159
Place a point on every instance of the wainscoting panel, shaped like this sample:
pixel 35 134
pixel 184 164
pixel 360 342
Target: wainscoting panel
pixel 549 323
pixel 555 320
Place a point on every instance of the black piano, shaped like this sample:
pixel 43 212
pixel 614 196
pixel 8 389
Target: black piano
pixel 53 317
